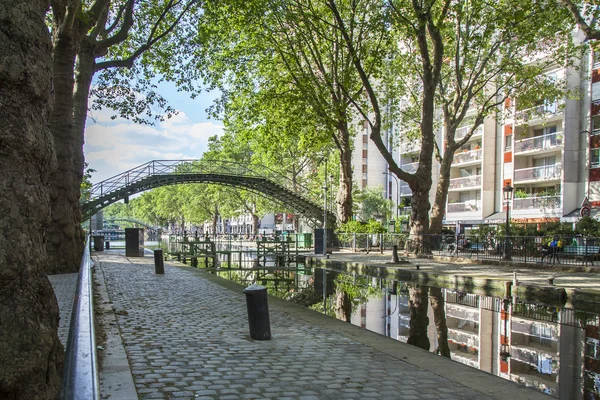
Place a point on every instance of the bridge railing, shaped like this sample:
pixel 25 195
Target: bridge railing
pixel 80 377
pixel 165 167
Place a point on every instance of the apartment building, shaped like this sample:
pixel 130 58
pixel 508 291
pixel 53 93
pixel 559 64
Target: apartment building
pixel 549 154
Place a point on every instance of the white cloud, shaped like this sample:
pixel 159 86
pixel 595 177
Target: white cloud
pixel 114 146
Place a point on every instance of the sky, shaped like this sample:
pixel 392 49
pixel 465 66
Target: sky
pixel 114 146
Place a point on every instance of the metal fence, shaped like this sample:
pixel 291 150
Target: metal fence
pixel 574 250
pixel 80 377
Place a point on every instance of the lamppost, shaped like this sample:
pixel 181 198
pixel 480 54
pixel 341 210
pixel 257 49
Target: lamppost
pixel 325 211
pixel 397 192
pixel 507 191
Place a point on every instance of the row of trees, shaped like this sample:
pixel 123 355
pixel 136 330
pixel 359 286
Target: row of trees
pixel 294 75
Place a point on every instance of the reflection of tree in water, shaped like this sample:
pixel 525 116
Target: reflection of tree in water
pixel 436 299
pixel 418 316
pixel 350 292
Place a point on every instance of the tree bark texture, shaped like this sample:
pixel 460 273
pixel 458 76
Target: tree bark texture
pixel 418 317
pixel 65 240
pixel 436 299
pixel 344 194
pixel 30 352
pixel 441 194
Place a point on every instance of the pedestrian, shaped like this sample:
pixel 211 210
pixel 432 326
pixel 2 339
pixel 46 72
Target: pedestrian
pixel 554 249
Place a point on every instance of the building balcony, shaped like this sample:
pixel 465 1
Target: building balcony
pixel 465 157
pixel 463 130
pixel 539 143
pixel 535 174
pixel 540 111
pixel 410 168
pixel 539 203
pixel 468 182
pixel 467 206
pixel 405 190
pixel 410 147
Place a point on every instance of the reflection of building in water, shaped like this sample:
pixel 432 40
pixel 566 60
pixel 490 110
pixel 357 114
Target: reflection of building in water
pixel 525 343
pixel 534 353
pixel 592 363
pixel 462 319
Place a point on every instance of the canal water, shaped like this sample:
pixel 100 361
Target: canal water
pixel 545 346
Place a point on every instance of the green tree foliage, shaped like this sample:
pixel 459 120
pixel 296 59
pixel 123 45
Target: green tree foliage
pixel 86 183
pixel 370 204
pixel 295 63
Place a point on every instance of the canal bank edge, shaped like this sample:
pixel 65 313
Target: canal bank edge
pixel 480 381
pixel 487 286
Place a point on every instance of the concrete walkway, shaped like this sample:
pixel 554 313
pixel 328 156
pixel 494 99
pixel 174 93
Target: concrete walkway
pixel 185 334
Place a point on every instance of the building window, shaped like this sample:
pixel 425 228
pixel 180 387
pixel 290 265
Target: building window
pixel 508 142
pixel 596 125
pixel 365 154
pixel 364 168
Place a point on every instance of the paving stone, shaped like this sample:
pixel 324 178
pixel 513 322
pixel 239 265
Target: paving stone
pixel 191 335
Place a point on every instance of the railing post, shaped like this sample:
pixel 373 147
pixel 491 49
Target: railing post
pixel 381 243
pixel 354 242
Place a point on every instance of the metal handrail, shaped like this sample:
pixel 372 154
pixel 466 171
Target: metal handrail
pixel 80 377
pixel 165 167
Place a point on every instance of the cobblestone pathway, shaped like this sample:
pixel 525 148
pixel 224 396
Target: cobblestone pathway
pixel 64 287
pixel 187 337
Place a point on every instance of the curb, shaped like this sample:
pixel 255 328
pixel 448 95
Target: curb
pixel 116 380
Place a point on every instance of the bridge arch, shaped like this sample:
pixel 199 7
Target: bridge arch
pixel 157 173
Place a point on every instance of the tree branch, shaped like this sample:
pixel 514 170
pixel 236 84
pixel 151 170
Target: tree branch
pixel 590 33
pixel 128 62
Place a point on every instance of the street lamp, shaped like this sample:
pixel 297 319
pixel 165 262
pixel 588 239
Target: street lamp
pixel 325 211
pixel 397 192
pixel 507 191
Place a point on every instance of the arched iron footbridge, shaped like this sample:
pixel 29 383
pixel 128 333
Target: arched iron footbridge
pixel 157 173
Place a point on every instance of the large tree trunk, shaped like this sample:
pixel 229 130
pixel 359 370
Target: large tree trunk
pixel 64 231
pixel 436 299
pixel 84 72
pixel 30 352
pixel 441 194
pixel 344 194
pixel 418 317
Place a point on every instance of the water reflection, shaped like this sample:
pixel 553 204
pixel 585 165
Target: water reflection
pixel 536 345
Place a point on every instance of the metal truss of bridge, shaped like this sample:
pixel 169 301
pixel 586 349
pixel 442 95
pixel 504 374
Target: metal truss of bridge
pixel 157 173
pixel 133 221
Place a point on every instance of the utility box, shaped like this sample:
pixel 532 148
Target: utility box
pixel 98 242
pixel 304 240
pixel 134 242
pixel 319 240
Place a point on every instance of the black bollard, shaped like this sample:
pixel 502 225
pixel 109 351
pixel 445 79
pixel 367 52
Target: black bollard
pixel 159 266
pixel 395 258
pixel 107 245
pixel 258 312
